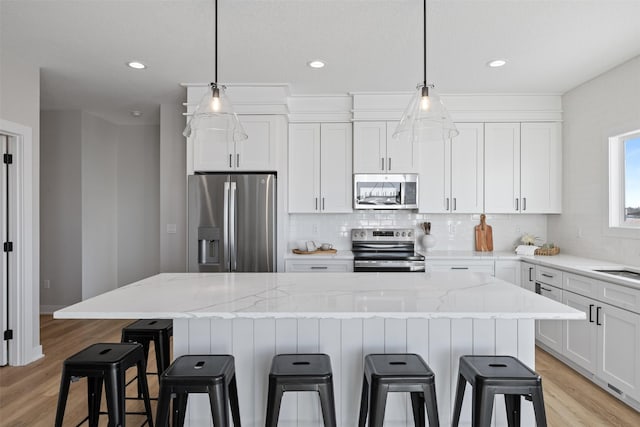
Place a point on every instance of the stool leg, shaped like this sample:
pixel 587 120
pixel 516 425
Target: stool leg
pixel 114 390
pixel 62 397
pixel 274 400
pixel 512 402
pixel 482 406
pixel 180 409
pixel 429 393
pixel 162 352
pixel 144 386
pixel 218 400
pixel 162 411
pixel 364 403
pixel 94 393
pixel 417 405
pixel 462 383
pixel 377 404
pixel 538 407
pixel 328 404
pixel 233 401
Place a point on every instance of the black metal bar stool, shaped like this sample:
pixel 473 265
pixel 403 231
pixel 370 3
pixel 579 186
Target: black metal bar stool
pixel 211 374
pixel 491 375
pixel 146 330
pixel 402 372
pixel 106 362
pixel 301 372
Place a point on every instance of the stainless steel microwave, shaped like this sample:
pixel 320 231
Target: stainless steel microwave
pixel 385 191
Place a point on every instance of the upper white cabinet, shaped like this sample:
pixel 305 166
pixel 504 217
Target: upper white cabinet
pixel 320 177
pixel 376 151
pixel 522 168
pixel 452 172
pixel 212 152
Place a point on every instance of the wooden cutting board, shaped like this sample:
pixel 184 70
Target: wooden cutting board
pixel 484 236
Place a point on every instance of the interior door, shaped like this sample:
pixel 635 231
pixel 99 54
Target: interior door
pixel 253 215
pixel 4 286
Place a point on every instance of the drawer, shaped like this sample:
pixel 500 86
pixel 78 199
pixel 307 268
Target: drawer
pixel 550 276
pixel 462 265
pixel 582 285
pixel 319 266
pixel 620 296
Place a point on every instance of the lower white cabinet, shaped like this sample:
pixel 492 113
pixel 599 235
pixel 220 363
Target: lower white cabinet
pixel 318 266
pixel 508 270
pixel 528 276
pixel 549 332
pixel 580 336
pixel 477 266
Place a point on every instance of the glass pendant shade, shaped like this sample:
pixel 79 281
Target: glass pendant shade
pixel 214 118
pixel 425 118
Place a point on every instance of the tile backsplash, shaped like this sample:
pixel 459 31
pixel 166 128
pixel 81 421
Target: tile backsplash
pixel 453 232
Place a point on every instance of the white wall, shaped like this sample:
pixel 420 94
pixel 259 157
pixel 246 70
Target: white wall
pixel 453 232
pixel 605 106
pixel 61 205
pixel 173 184
pixel 99 205
pixel 20 103
pixel 138 201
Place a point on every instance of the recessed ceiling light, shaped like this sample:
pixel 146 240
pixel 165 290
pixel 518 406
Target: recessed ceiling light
pixel 316 63
pixel 136 113
pixel 496 63
pixel 137 65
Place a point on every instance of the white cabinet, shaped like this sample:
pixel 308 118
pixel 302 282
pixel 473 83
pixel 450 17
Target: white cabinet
pixel 452 265
pixel 523 168
pixel 213 152
pixel 452 172
pixel 528 276
pixel 607 343
pixel 549 332
pixel 376 151
pixel 318 266
pixel 508 270
pixel 320 178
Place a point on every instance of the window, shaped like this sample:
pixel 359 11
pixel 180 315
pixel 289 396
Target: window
pixel 624 180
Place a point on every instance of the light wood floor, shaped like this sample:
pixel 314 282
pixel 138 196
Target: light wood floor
pixel 28 395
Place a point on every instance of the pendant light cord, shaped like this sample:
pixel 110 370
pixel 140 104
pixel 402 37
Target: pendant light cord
pixel 424 41
pixel 215 74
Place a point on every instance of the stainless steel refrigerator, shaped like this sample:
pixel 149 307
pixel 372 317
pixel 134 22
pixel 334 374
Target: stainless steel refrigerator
pixel 232 222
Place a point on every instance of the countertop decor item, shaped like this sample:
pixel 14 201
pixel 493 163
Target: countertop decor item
pixel 548 249
pixel 428 240
pixel 317 251
pixel 484 236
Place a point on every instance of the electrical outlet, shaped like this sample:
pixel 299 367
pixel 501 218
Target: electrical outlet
pixel 518 230
pixel 47 284
pixel 314 228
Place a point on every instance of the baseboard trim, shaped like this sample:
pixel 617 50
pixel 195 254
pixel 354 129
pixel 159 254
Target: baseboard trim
pixel 49 309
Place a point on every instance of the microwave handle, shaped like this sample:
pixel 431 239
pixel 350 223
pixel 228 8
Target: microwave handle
pixel 389 163
pixel 381 163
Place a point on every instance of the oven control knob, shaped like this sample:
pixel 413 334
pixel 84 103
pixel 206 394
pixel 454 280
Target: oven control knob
pixel 404 234
pixel 397 233
pixel 409 234
pixel 362 234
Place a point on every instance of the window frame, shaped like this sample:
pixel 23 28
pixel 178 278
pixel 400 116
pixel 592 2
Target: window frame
pixel 617 185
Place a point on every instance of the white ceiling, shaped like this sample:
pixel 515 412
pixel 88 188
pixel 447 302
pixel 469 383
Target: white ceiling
pixel 369 45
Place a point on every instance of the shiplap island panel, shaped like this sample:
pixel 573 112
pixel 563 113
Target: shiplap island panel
pixel 346 315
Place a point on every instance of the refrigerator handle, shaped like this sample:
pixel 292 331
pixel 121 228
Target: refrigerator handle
pixel 232 228
pixel 226 225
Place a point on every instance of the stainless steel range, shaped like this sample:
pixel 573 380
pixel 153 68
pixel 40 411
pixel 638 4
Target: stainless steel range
pixel 385 250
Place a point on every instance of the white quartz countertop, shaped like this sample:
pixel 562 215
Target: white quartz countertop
pixel 339 255
pixel 328 295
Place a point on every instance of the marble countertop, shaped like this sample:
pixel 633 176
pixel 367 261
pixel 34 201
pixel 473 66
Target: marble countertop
pixel 311 295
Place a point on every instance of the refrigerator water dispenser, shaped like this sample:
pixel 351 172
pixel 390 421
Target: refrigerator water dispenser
pixel 208 245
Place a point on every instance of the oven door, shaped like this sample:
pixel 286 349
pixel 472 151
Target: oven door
pixel 381 266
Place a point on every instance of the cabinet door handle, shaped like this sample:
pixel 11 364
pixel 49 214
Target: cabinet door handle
pixel 230 159
pixel 455 203
pixel 447 209
pixel 530 271
pixel 319 267
pixel 238 160
pixel 598 316
pixel 323 203
pixel 550 276
pixel 459 268
pixel 381 163
pixel 389 163
pixel 516 204
pixel 591 313
pixel 524 203
pixel 316 203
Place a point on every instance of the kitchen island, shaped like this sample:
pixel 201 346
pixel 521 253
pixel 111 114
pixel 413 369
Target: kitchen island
pixel 346 315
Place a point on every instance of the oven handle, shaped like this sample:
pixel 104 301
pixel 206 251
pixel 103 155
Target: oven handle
pixel 361 246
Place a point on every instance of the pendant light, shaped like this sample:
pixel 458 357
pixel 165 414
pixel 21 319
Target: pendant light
pixel 425 118
pixel 214 116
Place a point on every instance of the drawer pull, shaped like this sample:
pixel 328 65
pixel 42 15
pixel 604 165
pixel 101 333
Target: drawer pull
pixel 550 276
pixel 546 289
pixel 319 267
pixel 459 268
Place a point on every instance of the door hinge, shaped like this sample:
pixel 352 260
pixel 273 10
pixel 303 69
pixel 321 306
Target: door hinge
pixel 8 334
pixel 7 158
pixel 8 246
